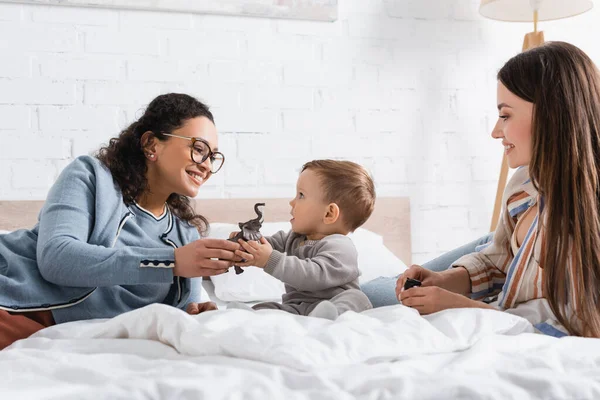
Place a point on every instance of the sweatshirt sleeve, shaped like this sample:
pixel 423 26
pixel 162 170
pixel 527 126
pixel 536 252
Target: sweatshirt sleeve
pixel 278 240
pixel 487 268
pixel 334 263
pixel 66 222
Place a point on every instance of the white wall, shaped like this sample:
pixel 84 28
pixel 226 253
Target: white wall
pixel 406 88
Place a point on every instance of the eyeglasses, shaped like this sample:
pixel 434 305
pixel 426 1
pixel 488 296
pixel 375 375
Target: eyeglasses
pixel 201 151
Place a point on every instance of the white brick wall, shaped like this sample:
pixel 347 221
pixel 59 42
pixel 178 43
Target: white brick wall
pixel 405 87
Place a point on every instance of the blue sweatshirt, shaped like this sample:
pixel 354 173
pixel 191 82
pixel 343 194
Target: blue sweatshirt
pixel 75 253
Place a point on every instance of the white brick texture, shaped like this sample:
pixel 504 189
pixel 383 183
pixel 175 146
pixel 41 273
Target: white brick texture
pixel 405 87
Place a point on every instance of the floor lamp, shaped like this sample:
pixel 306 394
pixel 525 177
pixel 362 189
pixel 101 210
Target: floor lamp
pixel 527 11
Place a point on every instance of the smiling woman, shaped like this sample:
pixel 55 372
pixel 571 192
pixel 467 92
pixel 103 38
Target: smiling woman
pixel 117 232
pixel 543 260
pixel 151 168
pixel 514 126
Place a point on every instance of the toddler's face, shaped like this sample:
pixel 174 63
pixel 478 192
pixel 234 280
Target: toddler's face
pixel 308 207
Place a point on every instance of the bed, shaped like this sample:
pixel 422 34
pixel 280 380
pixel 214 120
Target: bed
pixel 391 352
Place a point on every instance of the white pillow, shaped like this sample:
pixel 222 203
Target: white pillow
pixel 253 285
pixel 374 260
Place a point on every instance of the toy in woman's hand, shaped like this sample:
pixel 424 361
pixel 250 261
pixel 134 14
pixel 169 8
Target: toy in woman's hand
pixel 411 283
pixel 249 230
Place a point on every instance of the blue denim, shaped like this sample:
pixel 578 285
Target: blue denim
pixel 382 291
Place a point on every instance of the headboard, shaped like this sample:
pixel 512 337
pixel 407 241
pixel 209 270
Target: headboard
pixel 390 219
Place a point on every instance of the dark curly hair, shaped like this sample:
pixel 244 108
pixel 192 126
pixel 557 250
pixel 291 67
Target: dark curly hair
pixel 124 155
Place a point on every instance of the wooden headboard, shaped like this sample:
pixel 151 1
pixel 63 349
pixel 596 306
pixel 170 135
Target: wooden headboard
pixel 391 218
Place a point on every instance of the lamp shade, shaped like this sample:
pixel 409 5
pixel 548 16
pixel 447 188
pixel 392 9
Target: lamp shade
pixel 522 10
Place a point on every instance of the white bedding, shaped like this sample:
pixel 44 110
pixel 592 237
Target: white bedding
pixel 389 352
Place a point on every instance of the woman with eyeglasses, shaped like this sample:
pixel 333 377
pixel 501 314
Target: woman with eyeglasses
pixel 117 231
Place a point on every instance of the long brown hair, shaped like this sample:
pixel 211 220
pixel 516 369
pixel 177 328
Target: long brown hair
pixel 125 158
pixel 564 86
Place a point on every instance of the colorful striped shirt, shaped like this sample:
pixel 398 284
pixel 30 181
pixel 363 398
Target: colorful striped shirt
pixel 512 272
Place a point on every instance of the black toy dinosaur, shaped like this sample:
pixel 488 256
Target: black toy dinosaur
pixel 249 230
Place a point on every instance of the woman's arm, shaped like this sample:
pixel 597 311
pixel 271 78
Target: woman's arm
pixel 431 299
pixel 487 268
pixel 66 223
pixel 69 218
pixel 456 280
pixel 443 290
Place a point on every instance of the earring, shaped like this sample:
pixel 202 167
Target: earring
pixel 151 155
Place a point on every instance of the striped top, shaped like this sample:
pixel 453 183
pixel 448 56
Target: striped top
pixel 502 268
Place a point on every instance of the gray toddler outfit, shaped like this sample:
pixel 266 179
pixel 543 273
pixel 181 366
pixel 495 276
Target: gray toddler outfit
pixel 320 276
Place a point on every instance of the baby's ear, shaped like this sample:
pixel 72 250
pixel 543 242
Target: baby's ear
pixel 332 214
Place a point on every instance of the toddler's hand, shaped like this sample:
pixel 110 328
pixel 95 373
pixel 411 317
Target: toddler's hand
pixel 255 253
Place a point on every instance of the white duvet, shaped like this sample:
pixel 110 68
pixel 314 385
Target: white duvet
pixel 159 352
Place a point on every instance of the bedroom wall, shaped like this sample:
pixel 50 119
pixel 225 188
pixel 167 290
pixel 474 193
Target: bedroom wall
pixel 406 88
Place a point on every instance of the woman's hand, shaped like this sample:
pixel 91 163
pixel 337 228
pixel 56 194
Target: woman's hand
pixel 427 278
pixel 255 253
pixel 233 234
pixel 205 257
pixel 197 308
pixel 431 299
